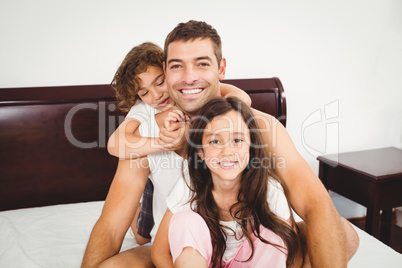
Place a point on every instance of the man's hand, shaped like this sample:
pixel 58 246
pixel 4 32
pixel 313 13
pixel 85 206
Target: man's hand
pixel 172 135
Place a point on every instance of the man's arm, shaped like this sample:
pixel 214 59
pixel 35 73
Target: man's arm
pixel 160 249
pixel 118 211
pixel 326 239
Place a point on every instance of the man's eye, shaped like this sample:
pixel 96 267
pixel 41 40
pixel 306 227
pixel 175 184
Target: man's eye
pixel 204 64
pixel 176 66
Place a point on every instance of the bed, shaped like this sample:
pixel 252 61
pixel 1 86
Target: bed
pixel 56 172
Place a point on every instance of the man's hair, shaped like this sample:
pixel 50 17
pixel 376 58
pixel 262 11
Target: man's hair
pixel 126 81
pixel 192 30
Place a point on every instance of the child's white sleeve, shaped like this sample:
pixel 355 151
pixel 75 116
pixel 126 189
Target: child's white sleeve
pixel 140 111
pixel 277 200
pixel 178 199
pixel 145 114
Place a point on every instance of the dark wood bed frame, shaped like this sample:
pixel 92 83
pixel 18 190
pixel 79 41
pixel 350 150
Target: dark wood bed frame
pixel 53 140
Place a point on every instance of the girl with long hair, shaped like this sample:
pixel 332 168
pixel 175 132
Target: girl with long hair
pixel 230 211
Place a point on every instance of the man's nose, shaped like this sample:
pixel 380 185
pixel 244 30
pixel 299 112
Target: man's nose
pixel 190 75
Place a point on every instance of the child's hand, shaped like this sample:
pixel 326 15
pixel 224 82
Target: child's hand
pixel 172 135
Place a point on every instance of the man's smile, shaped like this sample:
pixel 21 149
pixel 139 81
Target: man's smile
pixel 191 91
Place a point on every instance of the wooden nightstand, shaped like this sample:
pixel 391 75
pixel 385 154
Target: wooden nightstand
pixel 372 178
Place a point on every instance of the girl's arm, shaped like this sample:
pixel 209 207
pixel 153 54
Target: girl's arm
pixel 127 143
pixel 160 249
pixel 228 90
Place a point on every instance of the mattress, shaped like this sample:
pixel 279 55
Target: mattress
pixel 56 236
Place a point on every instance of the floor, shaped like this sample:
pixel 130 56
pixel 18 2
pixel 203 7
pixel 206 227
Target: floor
pixel 396 230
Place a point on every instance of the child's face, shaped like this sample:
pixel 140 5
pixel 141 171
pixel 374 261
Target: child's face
pixel 153 90
pixel 226 147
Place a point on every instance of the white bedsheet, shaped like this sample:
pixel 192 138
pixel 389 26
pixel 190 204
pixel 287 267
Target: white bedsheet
pixel 56 236
pixel 53 236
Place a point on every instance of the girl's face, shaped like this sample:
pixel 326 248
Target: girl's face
pixel 153 90
pixel 226 147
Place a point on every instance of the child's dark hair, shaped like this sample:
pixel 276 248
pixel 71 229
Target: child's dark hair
pixel 251 208
pixel 126 81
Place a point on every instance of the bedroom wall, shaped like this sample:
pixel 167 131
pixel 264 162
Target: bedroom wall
pixel 340 61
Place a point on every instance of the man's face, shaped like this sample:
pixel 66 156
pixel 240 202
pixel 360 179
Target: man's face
pixel 192 73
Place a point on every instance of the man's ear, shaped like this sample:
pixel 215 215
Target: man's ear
pixel 222 69
pixel 200 153
pixel 164 67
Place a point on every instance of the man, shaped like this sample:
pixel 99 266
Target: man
pixel 194 63
pixel 193 68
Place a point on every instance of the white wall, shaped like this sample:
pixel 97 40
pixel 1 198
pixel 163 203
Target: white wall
pixel 344 56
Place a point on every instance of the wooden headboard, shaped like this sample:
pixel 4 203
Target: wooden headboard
pixel 53 140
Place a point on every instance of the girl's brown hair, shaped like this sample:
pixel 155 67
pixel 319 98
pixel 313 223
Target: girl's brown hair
pixel 251 208
pixel 126 81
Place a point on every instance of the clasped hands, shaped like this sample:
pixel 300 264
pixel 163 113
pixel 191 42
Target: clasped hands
pixel 172 136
